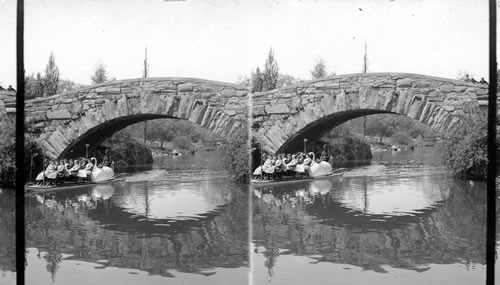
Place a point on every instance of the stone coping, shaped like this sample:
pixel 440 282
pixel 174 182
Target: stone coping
pixel 242 87
pixel 115 82
pixel 403 75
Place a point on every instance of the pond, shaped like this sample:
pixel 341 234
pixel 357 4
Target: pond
pixel 181 221
pixel 396 220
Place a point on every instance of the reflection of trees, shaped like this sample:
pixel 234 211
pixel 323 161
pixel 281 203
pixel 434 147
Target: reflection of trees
pixel 7 231
pixel 452 232
pixel 68 225
pixel 53 258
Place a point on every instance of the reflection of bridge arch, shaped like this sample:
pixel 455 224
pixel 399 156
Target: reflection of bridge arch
pixel 106 232
pixel 332 232
pixel 323 206
pixel 283 118
pixel 65 122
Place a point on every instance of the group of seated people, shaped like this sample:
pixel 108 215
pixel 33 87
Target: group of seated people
pixel 67 169
pixel 283 164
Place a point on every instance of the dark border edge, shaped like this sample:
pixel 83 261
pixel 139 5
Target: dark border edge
pixel 20 234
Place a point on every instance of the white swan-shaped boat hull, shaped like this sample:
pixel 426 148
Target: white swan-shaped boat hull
pixel 101 174
pixel 316 169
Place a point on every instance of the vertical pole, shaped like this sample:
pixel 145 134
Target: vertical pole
pixel 31 167
pixel 364 126
pixel 87 151
pixel 19 197
pixel 492 148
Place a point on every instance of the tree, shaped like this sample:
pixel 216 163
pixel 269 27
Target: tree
pixel 319 70
pixel 100 74
pixel 271 72
pixel 183 142
pixel 51 78
pixel 286 80
pixel 381 127
pixel 257 81
pixel 68 85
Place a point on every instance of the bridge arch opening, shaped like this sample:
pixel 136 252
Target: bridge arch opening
pixel 315 130
pixel 100 133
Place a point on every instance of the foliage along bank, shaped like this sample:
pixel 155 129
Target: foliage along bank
pixel 343 145
pixel 465 150
pixel 236 155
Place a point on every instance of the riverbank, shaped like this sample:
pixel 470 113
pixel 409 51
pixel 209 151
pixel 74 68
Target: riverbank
pixel 127 152
pixel 171 148
pixel 344 148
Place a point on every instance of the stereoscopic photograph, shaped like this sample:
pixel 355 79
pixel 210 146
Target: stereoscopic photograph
pixel 247 142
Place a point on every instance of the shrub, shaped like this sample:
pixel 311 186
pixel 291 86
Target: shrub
pixel 183 142
pixel 465 150
pixel 236 156
pixel 402 137
pixel 8 154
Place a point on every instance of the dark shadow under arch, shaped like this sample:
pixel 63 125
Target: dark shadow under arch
pixel 318 128
pixel 103 131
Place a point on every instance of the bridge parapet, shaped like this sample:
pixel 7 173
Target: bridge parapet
pixel 7 103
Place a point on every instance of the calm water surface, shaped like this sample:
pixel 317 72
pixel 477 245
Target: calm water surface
pixel 7 237
pixel 398 220
pixel 181 222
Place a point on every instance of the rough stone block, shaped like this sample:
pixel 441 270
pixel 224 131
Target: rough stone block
pixel 228 92
pixel 277 109
pixel 447 88
pixel 404 83
pixel 186 87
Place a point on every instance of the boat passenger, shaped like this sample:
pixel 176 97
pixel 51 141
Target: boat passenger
pixel 69 165
pixel 325 154
pixel 288 159
pixel 89 166
pixel 278 164
pixel 307 161
pixel 258 171
pixel 82 172
pixel 51 171
pixel 300 164
pixel 73 171
pixel 268 167
pixel 61 169
pixel 292 164
pixel 42 175
pixel 106 159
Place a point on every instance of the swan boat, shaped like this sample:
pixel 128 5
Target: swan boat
pixel 97 175
pixel 316 170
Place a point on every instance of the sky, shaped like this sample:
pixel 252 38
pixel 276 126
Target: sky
pixel 225 40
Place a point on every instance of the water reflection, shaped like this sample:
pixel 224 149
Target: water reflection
pixel 7 237
pixel 379 221
pixel 164 228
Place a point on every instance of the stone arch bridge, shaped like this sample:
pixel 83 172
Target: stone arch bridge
pixel 280 119
pixel 64 123
pixel 283 118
